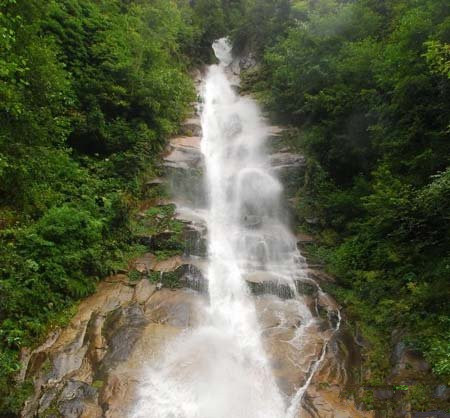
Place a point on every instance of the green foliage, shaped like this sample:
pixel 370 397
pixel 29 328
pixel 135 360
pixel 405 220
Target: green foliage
pixel 437 349
pixel 12 401
pixel 263 23
pixel 89 92
pixel 438 57
pixel 167 279
pixel 419 396
pixel 365 83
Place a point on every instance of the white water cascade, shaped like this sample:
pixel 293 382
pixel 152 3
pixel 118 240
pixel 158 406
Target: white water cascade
pixel 220 368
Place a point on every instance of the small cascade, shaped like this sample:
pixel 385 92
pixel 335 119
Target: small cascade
pixel 194 279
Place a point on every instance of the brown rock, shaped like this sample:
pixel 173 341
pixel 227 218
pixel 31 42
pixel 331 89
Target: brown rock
pixel 186 142
pixel 117 394
pixel 144 263
pixel 168 265
pixel 143 290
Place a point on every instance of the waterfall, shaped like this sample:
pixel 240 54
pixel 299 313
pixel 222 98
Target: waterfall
pixel 220 368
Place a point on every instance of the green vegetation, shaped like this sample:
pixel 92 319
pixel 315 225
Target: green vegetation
pixel 89 92
pixel 170 280
pixel 365 84
pixel 159 222
pixel 91 89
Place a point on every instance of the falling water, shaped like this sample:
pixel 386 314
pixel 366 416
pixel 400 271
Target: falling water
pixel 220 369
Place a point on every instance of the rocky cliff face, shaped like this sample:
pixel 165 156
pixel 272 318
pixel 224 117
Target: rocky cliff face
pixel 90 368
pixel 93 367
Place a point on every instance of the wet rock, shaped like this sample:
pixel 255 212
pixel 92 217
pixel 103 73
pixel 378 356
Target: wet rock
pixel 117 394
pixel 306 287
pixel 275 132
pixel 118 278
pixel 184 153
pixel 94 339
pixel 327 302
pixel 78 399
pixel 177 309
pixel 122 329
pixel 192 277
pixel 143 290
pixel 187 183
pixel 70 358
pixel 195 242
pixel 338 371
pixel 262 283
pixel 35 363
pixel 247 61
pixel 290 338
pixel 312 221
pixel 327 402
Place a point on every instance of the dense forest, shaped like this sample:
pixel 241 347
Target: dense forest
pixel 366 85
pixel 91 89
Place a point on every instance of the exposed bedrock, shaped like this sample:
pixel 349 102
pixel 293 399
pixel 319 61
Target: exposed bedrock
pixel 90 368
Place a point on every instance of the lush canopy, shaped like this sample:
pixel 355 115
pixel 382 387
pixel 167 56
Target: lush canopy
pixel 91 89
pixel 366 84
